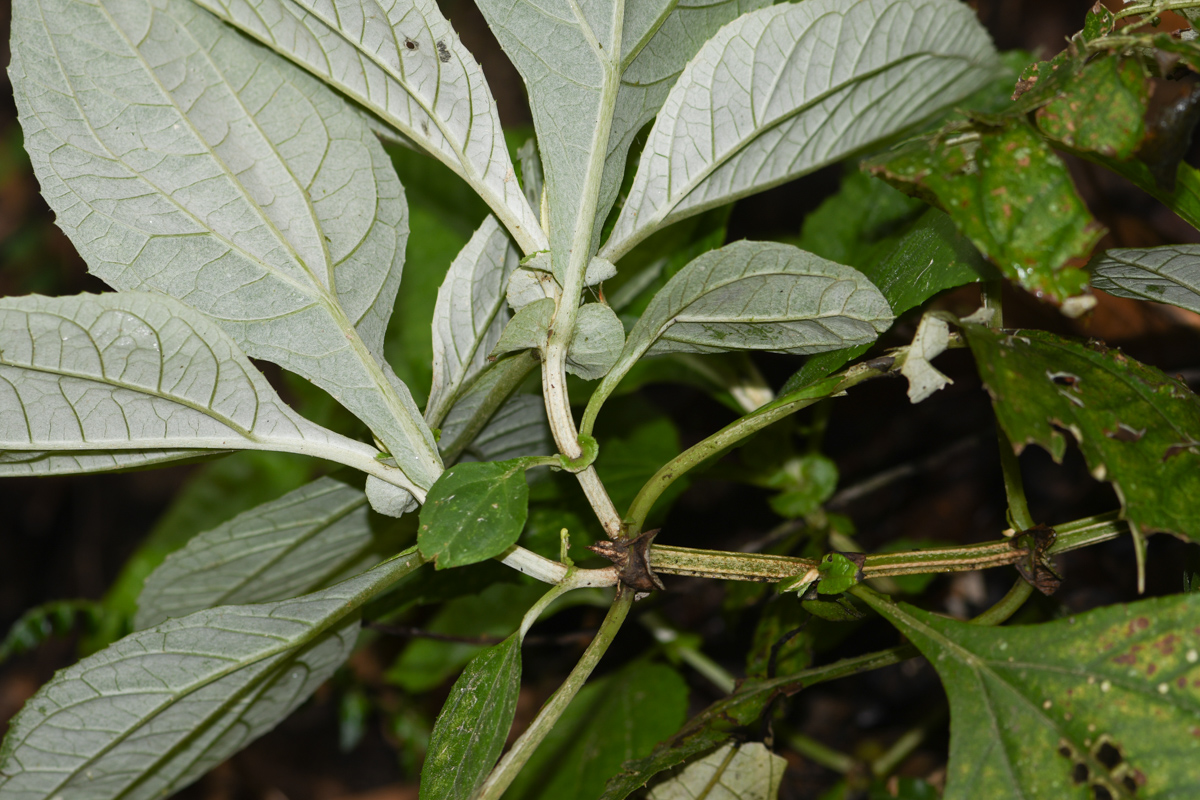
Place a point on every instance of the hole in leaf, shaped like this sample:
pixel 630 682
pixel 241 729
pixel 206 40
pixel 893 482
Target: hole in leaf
pixel 1064 751
pixel 1108 755
pixel 1130 784
pixel 409 44
pixel 1080 774
pixel 1100 793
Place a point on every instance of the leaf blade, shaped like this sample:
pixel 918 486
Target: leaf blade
pixel 1159 274
pixel 475 511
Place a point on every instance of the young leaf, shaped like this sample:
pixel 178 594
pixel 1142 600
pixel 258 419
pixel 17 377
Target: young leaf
pixel 102 382
pixel 406 65
pixel 153 712
pixel 527 330
pixel 1136 427
pixel 476 510
pixel 291 546
pixel 1007 190
pixel 183 159
pixel 596 343
pixel 768 99
pixel 756 296
pixel 612 720
pixel 471 728
pixel 1160 274
pixel 732 772
pixel 469 315
pixel 1102 704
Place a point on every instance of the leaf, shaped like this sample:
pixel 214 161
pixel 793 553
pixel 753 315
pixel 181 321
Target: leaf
pixel 54 618
pixel 213 494
pixel 611 720
pixel 469 315
pixel 495 611
pixel 767 99
pixel 473 724
pixel 405 64
pixel 304 541
pixel 658 39
pixel 732 772
pixel 182 159
pixel 102 382
pixel 1160 274
pixel 1101 109
pixel 629 458
pixel 153 712
pixel 569 57
pixel 1101 704
pixel 517 430
pixel 807 481
pixel 1135 426
pixel 756 296
pixel 491 389
pixel 838 573
pixel 930 341
pixel 475 511
pixel 1006 190
pixel 527 330
pixel 781 636
pixel 596 342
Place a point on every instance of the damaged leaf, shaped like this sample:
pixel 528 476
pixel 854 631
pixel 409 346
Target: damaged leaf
pixel 1136 427
pixel 1100 705
pixel 1011 195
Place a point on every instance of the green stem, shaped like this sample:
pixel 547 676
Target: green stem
pixel 821 754
pixel 504 773
pixel 735 432
pixel 723 565
pixel 678 647
pixel 903 747
pixel 1007 606
pixel 1018 509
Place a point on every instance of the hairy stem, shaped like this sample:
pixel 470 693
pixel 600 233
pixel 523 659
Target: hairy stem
pixel 504 773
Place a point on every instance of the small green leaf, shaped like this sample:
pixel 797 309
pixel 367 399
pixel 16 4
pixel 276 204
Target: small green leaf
pixel 733 772
pixel 839 609
pixel 1101 109
pixel 1098 22
pixel 1136 427
pixel 838 574
pixel 596 343
pixel 474 511
pixel 1102 704
pixel 612 720
pixel 808 481
pixel 471 728
pixel 1008 192
pixel 527 329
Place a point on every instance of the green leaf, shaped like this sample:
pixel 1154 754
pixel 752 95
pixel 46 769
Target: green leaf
pixel 630 458
pixel 596 343
pixel 612 720
pixel 110 381
pixel 807 481
pixel 308 539
pixel 732 772
pixel 405 63
pixel 1160 274
pixel 54 618
pixel 182 159
pixel 527 330
pixel 778 631
pixel 1008 192
pixel 153 712
pixel 476 510
pixel 1102 704
pixel 756 296
pixel 471 728
pixel 494 611
pixel 838 574
pixel 1101 109
pixel 469 315
pixel 777 100
pixel 1135 426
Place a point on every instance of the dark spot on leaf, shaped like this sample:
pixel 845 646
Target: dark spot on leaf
pixel 443 52
pixel 1100 793
pixel 1109 756
pixel 1064 751
pixel 1080 773
pixel 1124 433
pixel 1063 378
pixel 1130 783
pixel 410 44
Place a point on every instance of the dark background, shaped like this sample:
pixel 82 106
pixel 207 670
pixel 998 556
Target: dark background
pixel 68 537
